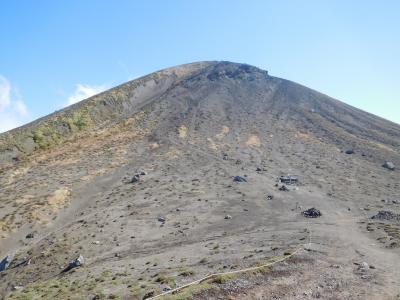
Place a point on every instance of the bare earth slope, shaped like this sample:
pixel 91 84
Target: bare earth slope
pixel 66 179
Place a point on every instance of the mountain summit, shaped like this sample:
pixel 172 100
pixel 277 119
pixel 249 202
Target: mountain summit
pixel 191 86
pixel 209 167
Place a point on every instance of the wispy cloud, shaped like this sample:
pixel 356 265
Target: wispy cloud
pixel 13 111
pixel 83 91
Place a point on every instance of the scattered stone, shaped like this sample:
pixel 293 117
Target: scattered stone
pixel 30 236
pixel 166 288
pixel 389 165
pixel 316 294
pixel 259 169
pixel 148 295
pixel 386 215
pixel 135 178
pixel 27 262
pixel 5 263
pixel 335 266
pixel 349 151
pixel 311 213
pixel 238 162
pixel 270 197
pixel 161 219
pixel 239 179
pixel 17 287
pixel 283 188
pixel 289 179
pixel 225 157
pixel 77 262
pixel 363 268
pixel 228 217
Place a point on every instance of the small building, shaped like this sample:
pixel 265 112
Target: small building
pixel 289 179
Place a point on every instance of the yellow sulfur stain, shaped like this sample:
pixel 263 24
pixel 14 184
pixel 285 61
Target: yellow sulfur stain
pixel 182 131
pixel 223 133
pixel 254 141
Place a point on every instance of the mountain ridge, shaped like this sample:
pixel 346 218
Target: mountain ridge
pixel 27 138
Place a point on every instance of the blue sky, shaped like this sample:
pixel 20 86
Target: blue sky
pixel 54 53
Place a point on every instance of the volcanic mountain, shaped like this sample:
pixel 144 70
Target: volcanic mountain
pixel 204 168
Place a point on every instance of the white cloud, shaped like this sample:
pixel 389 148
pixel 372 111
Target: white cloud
pixel 13 111
pixel 84 91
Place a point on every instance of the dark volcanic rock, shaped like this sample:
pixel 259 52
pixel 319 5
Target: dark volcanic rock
pixel 135 178
pixel 5 263
pixel 239 179
pixel 311 213
pixel 148 295
pixel 77 262
pixel 386 215
pixel 284 188
pixel 389 165
pixel 30 235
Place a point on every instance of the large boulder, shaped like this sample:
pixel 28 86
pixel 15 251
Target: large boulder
pixel 389 165
pixel 349 151
pixel 5 263
pixel 30 235
pixel 312 213
pixel 135 178
pixel 77 262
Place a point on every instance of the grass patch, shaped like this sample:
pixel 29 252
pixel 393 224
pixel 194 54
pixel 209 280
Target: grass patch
pixel 222 278
pixel 186 272
pixel 189 292
pixel 162 279
pixel 63 288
